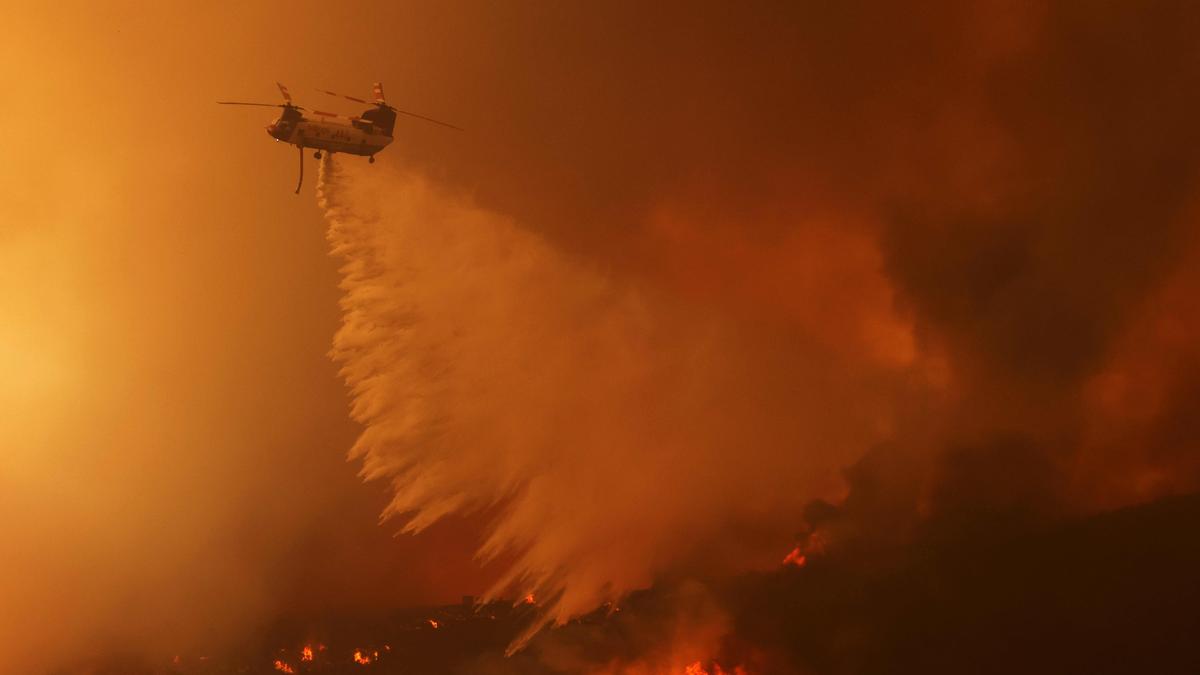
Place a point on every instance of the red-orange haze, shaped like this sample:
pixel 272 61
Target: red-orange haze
pixel 689 263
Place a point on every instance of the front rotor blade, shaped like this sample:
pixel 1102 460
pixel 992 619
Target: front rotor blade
pixel 265 105
pixel 283 90
pixel 352 98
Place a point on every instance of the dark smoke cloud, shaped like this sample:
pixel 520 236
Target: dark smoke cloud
pixel 967 207
pixel 1016 181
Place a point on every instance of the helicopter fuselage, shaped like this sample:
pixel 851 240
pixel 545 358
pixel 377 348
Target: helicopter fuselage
pixel 365 134
pixel 359 138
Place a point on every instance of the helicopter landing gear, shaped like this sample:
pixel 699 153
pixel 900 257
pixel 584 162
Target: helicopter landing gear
pixel 371 159
pixel 317 154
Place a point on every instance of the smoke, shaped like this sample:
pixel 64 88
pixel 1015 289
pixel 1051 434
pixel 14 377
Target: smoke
pixel 692 261
pixel 949 256
pixel 616 431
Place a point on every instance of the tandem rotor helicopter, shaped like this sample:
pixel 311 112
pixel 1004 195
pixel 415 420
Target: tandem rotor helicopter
pixel 365 134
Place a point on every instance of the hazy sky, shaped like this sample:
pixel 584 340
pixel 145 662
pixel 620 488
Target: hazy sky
pixel 979 221
pixel 174 433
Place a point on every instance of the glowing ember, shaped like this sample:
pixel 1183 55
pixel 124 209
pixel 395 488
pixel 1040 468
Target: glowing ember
pixel 306 654
pixel 283 667
pixel 796 557
pixel 433 623
pixel 529 599
pixel 360 658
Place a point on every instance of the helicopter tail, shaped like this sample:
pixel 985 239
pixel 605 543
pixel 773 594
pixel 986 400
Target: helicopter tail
pixel 383 116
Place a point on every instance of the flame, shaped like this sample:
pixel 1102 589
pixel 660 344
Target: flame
pixel 433 623
pixel 698 668
pixel 306 654
pixel 360 658
pixel 814 544
pixel 796 557
pixel 283 667
pixel 529 599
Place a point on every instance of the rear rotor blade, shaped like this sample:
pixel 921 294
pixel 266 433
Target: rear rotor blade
pixel 422 117
pixel 378 90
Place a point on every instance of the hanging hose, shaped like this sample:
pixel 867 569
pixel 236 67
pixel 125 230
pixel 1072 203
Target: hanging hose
pixel 301 181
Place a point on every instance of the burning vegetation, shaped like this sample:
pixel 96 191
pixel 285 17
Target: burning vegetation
pixel 860 607
pixel 698 668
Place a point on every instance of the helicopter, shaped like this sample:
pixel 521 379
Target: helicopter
pixel 364 134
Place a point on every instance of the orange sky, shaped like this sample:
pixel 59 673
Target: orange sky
pixel 982 212
pixel 173 430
